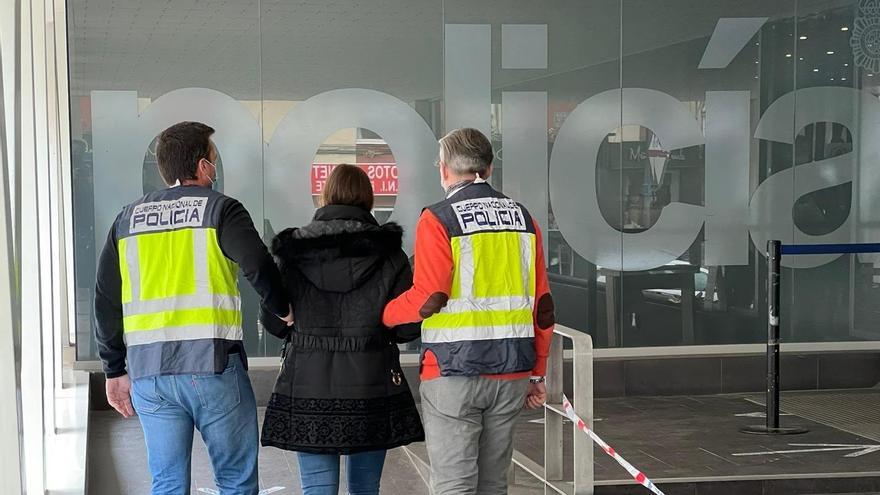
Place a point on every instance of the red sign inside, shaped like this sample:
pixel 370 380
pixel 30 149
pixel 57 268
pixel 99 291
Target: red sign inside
pixel 383 176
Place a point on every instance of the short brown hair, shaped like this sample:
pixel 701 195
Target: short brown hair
pixel 348 185
pixel 180 148
pixel 467 151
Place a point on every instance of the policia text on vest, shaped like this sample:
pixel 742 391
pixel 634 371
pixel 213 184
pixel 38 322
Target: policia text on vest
pixel 489 214
pixel 184 212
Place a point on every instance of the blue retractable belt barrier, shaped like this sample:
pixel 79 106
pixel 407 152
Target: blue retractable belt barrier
pixel 829 248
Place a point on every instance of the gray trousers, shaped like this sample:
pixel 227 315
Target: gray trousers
pixel 469 426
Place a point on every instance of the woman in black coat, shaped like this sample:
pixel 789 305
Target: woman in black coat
pixel 341 390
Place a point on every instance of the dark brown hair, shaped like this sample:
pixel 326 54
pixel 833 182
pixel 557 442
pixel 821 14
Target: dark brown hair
pixel 180 148
pixel 348 185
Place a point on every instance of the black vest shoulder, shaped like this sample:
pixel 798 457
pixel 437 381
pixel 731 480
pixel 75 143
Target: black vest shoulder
pixel 172 209
pixel 477 208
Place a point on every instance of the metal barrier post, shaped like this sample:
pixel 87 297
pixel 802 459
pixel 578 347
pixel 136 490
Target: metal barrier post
pixel 774 273
pixel 553 423
pixel 582 362
pixel 552 473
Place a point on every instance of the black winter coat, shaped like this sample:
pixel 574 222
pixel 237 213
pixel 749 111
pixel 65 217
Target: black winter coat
pixel 341 389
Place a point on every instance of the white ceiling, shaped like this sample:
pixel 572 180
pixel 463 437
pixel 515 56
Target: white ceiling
pixel 278 49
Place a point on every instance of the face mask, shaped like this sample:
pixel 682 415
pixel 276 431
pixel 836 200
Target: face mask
pixel 213 179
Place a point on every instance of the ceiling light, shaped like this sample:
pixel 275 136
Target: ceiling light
pixel 803 37
pixel 801 58
pixel 846 65
pixel 832 78
pixel 815 69
pixel 829 52
pixel 845 28
pixel 843 79
pixel 787 55
pixel 870 75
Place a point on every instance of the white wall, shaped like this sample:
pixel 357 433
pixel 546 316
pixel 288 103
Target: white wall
pixel 7 50
pixel 10 387
pixel 34 270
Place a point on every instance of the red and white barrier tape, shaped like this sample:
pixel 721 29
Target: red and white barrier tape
pixel 636 474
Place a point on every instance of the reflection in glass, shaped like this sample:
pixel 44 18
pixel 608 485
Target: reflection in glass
pixel 656 279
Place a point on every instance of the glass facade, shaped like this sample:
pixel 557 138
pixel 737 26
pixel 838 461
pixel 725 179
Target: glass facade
pixel 660 144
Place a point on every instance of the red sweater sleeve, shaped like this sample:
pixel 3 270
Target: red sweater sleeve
pixel 432 278
pixel 544 311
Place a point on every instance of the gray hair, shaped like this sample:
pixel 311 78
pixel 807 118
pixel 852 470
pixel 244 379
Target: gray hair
pixel 466 151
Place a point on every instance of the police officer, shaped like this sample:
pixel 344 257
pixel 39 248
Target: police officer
pixel 169 321
pixel 481 291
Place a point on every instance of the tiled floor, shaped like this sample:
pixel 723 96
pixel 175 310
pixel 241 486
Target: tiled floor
pixel 669 438
pixel 117 464
pixel 66 443
pixel 699 436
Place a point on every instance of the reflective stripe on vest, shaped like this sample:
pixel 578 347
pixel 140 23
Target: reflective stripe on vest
pixel 191 332
pixel 493 290
pixel 178 285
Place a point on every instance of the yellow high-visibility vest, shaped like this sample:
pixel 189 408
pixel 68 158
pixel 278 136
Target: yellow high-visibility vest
pixel 487 326
pixel 179 291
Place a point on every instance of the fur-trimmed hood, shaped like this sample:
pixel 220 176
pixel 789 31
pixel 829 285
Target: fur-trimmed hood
pixel 339 250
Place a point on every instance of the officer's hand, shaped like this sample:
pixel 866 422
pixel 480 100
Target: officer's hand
pixel 536 395
pixel 289 318
pixel 119 395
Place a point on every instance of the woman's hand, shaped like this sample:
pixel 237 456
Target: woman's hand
pixel 289 318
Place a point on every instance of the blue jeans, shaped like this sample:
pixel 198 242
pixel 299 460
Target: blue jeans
pixel 221 406
pixel 320 473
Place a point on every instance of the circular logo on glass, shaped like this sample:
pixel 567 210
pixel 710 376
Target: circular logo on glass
pixel 869 8
pixel 865 41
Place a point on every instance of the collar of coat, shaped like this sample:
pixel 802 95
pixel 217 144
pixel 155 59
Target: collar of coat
pixel 344 212
pixel 339 231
